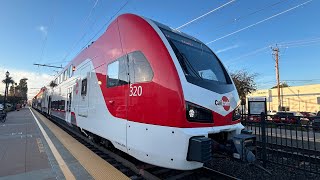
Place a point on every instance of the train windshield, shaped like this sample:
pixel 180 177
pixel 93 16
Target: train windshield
pixel 198 62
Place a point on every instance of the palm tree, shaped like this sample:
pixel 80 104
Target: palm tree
pixel 52 84
pixel 7 81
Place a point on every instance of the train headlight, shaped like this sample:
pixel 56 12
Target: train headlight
pixel 192 113
pixel 196 113
pixel 236 113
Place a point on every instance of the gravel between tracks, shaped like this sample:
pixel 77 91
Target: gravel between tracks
pixel 247 171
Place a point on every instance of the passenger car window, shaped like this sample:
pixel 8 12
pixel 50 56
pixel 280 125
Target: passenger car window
pixel 123 70
pixel 62 105
pixel 65 77
pixel 113 74
pixel 117 74
pixel 139 68
pixel 84 87
pixel 70 71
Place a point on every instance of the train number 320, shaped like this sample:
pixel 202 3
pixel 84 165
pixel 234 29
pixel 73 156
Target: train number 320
pixel 135 90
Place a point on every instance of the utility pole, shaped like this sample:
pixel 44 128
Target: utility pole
pixel 276 56
pixel 299 99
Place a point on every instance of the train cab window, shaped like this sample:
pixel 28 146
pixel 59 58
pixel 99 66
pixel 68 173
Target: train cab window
pixel 139 68
pixel 84 87
pixel 117 72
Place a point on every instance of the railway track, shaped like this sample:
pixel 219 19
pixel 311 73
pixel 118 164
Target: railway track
pixel 136 169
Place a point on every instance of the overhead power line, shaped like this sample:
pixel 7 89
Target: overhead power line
pixel 57 62
pixel 300 42
pixel 234 20
pixel 249 53
pixel 302 80
pixel 85 21
pixel 302 45
pixel 193 20
pixel 259 22
pixel 295 43
pixel 103 26
pixel 45 65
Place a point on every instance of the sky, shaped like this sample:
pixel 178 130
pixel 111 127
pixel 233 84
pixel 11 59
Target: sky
pixel 240 32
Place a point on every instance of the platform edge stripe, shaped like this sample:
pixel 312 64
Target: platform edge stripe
pixel 98 169
pixel 62 164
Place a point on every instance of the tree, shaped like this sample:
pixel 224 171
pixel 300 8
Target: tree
pixel 282 85
pixel 244 82
pixel 8 80
pixel 52 84
pixel 11 91
pixel 22 89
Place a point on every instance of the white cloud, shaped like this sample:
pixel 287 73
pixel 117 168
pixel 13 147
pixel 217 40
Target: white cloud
pixel 43 30
pixel 227 48
pixel 35 80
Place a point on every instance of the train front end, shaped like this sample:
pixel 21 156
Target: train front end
pixel 212 106
pixel 186 107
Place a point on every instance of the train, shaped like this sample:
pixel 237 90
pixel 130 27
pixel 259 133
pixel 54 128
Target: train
pixel 153 92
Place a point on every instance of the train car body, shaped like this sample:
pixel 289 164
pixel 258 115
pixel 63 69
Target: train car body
pixel 149 90
pixel 40 101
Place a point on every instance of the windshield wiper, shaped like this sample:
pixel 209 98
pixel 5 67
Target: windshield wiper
pixel 184 61
pixel 190 66
pixel 180 58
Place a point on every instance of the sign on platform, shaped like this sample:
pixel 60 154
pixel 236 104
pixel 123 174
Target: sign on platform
pixel 257 105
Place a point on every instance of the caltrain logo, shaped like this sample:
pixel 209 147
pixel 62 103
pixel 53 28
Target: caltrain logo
pixel 224 102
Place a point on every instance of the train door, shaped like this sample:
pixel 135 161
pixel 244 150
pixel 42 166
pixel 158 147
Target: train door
pixel 116 96
pixel 49 105
pixel 68 109
pixel 117 87
pixel 83 106
pixel 141 90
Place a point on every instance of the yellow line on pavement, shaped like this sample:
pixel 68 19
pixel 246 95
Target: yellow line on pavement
pixel 97 167
pixel 62 164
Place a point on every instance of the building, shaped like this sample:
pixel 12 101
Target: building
pixel 294 98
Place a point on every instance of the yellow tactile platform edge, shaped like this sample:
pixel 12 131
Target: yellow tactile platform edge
pixel 96 166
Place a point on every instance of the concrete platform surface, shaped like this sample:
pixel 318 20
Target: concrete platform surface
pixel 26 153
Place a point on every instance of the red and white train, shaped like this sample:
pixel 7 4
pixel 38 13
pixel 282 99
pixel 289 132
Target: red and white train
pixel 155 93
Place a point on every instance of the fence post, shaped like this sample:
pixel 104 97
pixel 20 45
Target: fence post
pixel 263 139
pixel 242 114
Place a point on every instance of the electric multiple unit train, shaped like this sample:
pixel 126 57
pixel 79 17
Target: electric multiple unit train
pixel 153 92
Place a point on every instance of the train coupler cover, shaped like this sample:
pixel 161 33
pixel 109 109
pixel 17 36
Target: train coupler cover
pixel 200 149
pixel 245 146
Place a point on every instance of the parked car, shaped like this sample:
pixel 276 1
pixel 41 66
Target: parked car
pixel 308 115
pixel 9 107
pixel 270 114
pixel 316 122
pixel 289 117
pixel 254 118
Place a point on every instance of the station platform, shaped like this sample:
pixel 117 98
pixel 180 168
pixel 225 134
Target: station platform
pixel 32 147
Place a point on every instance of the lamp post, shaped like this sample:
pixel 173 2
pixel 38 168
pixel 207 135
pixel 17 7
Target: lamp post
pixel 6 89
